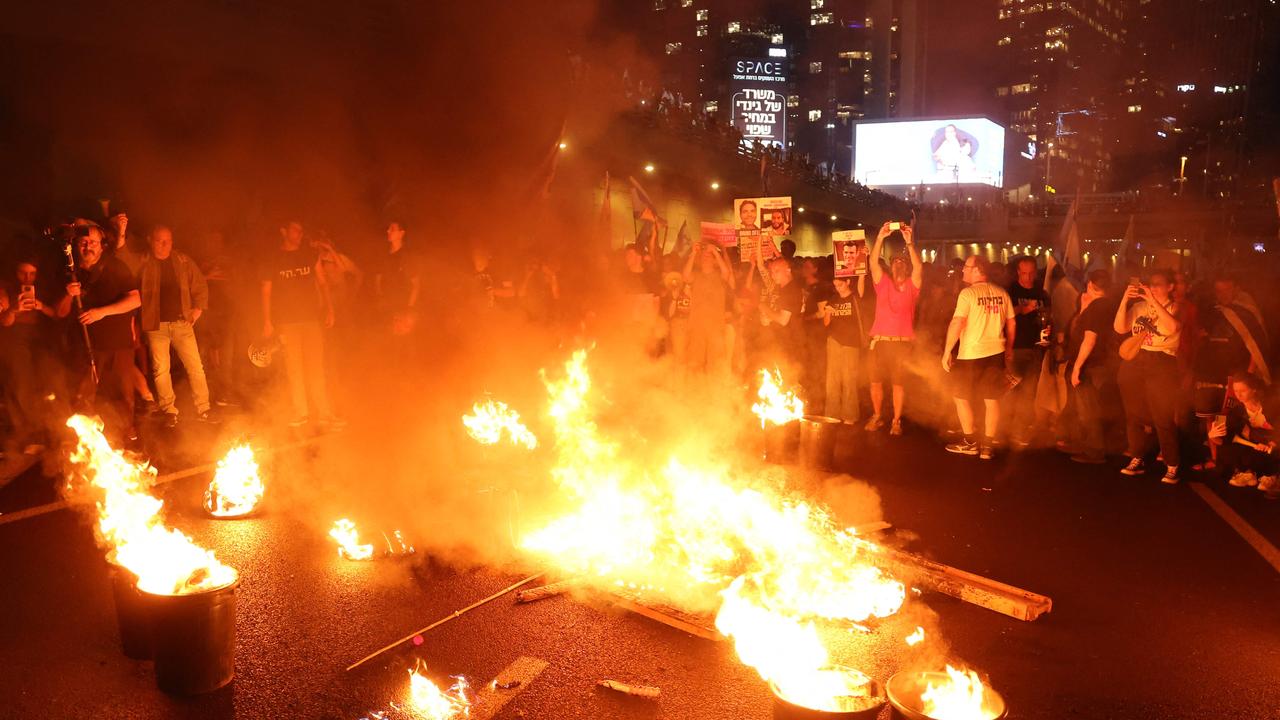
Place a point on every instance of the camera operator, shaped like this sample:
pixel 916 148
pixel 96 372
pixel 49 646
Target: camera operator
pixel 108 293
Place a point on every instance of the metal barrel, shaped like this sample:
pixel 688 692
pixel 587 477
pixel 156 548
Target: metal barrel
pixel 818 441
pixel 133 614
pixel 780 442
pixel 194 639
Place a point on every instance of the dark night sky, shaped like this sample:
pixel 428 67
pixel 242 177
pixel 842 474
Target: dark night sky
pixel 961 58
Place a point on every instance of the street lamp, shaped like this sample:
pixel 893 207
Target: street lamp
pixel 1182 174
pixel 648 168
pixel 715 185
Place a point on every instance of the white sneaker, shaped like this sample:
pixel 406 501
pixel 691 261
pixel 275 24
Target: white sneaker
pixel 1243 479
pixel 1269 484
pixel 1135 467
pixel 1170 475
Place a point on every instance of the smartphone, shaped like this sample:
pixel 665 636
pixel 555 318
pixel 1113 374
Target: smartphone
pixel 895 225
pixel 28 290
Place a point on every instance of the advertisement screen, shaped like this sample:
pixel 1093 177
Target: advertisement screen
pixel 758 87
pixel 932 152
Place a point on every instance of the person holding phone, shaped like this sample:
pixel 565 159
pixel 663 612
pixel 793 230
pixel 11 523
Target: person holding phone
pixel 1247 439
pixel 25 340
pixel 893 331
pixel 1149 382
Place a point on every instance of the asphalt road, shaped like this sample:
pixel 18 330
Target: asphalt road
pixel 1160 609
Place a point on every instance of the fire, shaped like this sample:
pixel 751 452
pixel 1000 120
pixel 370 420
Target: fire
pixel 429 702
pixel 706 538
pixel 397 545
pixel 491 419
pixel 776 406
pixel 165 561
pixel 961 697
pixel 237 487
pixel 348 539
pixel 916 637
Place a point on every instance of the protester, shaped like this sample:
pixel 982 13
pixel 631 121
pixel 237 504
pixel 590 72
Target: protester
pixel 124 248
pixel 539 292
pixel 1088 353
pixel 397 282
pixel 1247 455
pixel 1148 377
pixel 108 295
pixel 984 327
pixel 221 333
pixel 813 293
pixel 174 296
pixel 26 341
pixel 893 330
pixel 1031 312
pixel 710 290
pixel 295 301
pixel 846 318
pixel 780 308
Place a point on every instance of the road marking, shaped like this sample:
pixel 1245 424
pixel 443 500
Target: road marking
pixel 1255 539
pixel 510 682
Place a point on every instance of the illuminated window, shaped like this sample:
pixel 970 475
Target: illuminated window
pixel 673 48
pixel 734 27
pixel 701 15
pixel 820 19
pixel 711 106
pixel 1002 90
pixel 701 31
pixel 686 3
pixel 815 115
pixel 1022 88
pixel 1135 108
pixel 1006 40
pixel 659 5
pixel 815 4
pixel 793 101
pixel 776 38
pixel 815 67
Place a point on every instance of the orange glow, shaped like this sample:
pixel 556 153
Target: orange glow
pixel 490 420
pixel 776 405
pixel 960 697
pixel 348 539
pixel 916 637
pixel 429 702
pixel 237 487
pixel 165 561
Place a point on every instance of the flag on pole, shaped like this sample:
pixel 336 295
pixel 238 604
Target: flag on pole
pixel 604 222
pixel 1068 245
pixel 683 242
pixel 640 201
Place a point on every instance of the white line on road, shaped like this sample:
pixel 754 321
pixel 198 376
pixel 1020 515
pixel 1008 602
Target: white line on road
pixel 1237 523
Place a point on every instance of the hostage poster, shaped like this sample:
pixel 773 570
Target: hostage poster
pixel 850 250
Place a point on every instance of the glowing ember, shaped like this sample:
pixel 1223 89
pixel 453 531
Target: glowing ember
pixel 349 547
pixel 490 420
pixel 916 637
pixel 165 561
pixel 960 697
pixel 429 702
pixel 236 488
pixel 776 406
pixel 704 538
pixel 397 545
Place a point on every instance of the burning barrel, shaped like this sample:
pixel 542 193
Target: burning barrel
pixel 781 441
pixel 933 695
pixel 132 614
pixel 841 694
pixel 818 441
pixel 194 638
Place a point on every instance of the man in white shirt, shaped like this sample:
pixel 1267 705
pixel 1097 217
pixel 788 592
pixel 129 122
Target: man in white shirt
pixel 983 325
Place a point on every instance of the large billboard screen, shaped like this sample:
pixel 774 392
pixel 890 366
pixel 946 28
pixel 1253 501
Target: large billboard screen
pixel 758 99
pixel 933 152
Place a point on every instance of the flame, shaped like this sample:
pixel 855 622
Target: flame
pixel 960 697
pixel 165 561
pixel 429 702
pixel 916 637
pixel 397 545
pixel 348 539
pixel 491 419
pixel 705 538
pixel 236 488
pixel 776 406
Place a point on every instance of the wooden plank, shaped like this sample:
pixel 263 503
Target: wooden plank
pixel 509 682
pixel 984 592
pixel 543 592
pixel 696 626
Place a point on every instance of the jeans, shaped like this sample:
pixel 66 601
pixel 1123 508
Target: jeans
pixel 842 381
pixel 1149 388
pixel 1022 406
pixel 1088 406
pixel 304 365
pixel 182 338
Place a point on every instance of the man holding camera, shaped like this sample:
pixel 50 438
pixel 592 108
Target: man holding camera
pixel 108 294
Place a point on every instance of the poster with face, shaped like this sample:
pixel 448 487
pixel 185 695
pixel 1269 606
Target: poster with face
pixel 769 217
pixel 850 250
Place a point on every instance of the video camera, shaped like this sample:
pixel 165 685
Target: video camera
pixel 66 233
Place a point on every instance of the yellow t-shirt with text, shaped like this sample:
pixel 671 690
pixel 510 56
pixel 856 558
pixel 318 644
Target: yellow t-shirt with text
pixel 986 309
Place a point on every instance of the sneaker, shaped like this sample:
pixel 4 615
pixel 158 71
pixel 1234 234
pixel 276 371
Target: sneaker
pixel 1268 484
pixel 986 452
pixel 964 447
pixel 1086 459
pixel 1170 475
pixel 298 421
pixel 895 428
pixel 171 420
pixel 1244 479
pixel 874 424
pixel 210 417
pixel 1135 467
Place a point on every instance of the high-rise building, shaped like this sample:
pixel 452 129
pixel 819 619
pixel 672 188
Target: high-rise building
pixel 1060 67
pixel 842 61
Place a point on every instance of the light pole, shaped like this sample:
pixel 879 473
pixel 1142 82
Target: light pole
pixel 1182 175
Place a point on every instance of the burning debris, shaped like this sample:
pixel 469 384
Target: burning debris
pixel 776 406
pixel 952 695
pixel 490 420
pixel 916 637
pixel 428 702
pixel 643 691
pixel 349 546
pixel 165 561
pixel 237 487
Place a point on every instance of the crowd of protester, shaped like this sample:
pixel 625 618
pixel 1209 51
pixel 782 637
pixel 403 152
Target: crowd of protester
pixel 1134 362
